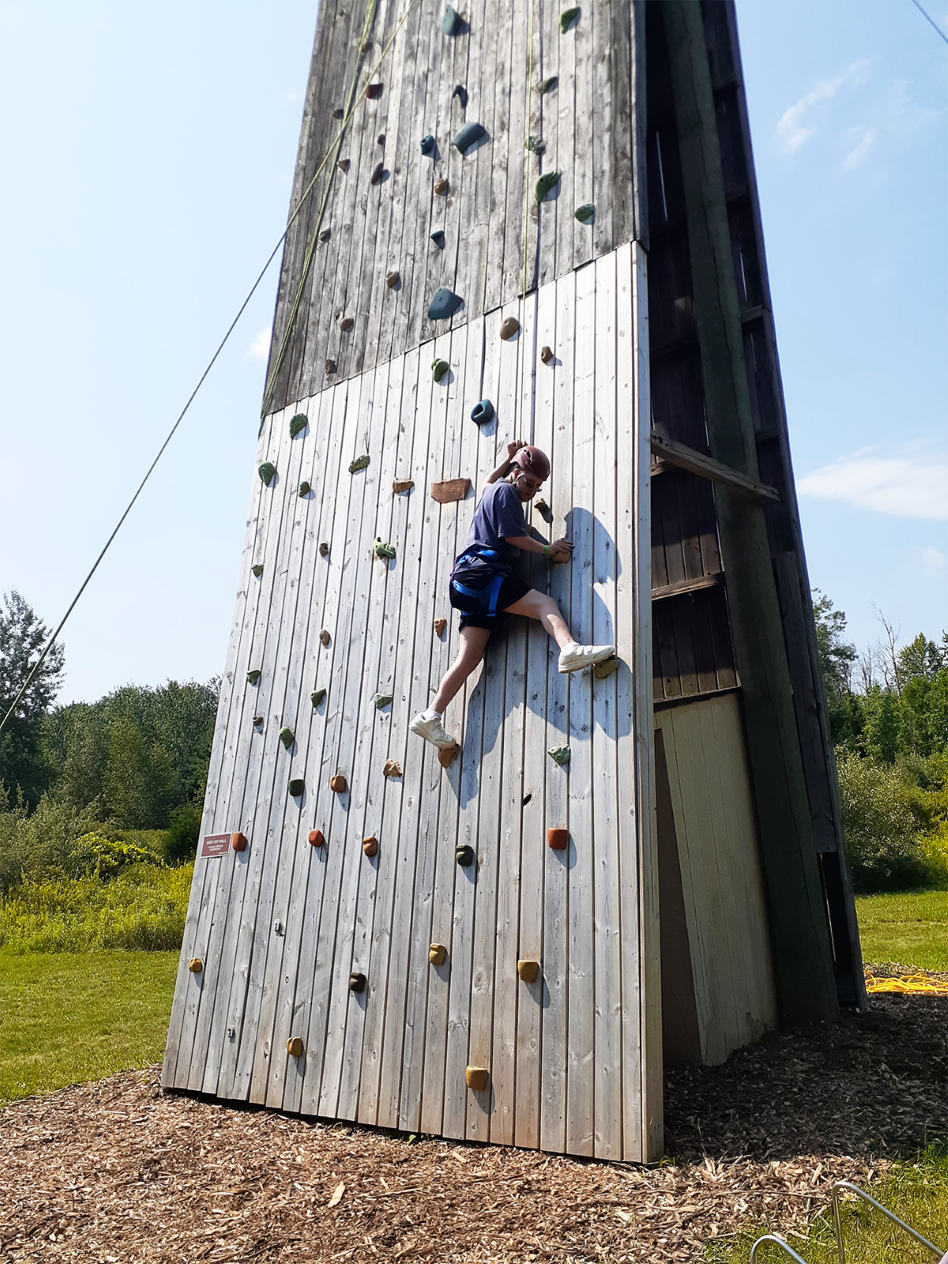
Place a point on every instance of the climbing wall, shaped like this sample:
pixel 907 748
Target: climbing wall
pixel 470 948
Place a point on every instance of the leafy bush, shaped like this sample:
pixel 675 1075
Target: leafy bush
pixel 40 843
pixel 179 841
pixel 93 854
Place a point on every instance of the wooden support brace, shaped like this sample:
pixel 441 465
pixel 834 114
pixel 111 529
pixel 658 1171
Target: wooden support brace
pixel 686 458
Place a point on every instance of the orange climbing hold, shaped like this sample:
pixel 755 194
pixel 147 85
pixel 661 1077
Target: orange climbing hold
pixel 392 768
pixel 239 842
pixel 337 784
pixel 370 846
pixel 448 754
pixel 316 838
pixel 558 839
pixel 476 1078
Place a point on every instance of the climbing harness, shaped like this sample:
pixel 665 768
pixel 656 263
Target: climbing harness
pixel 487 594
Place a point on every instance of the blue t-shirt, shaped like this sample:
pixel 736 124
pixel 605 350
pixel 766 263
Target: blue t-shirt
pixel 499 514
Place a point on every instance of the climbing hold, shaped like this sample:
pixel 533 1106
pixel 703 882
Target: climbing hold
pixel 558 839
pixel 444 304
pixel 359 463
pixel 451 22
pixel 257 569
pixel 343 165
pixel 468 137
pixel 392 279
pixel 238 842
pixel 427 145
pixel 286 737
pixel 257 721
pixel 568 19
pixel 365 46
pixel 392 768
pixel 380 139
pixel 317 696
pixel 559 754
pixel 381 700
pixel 439 368
pixel 461 93
pixel 436 954
pixel 476 1078
pixel 324 637
pixel 450 490
pixel 541 504
pixel 356 982
pixel 448 754
pixel 547 85
pixel 377 172
pixel 482 413
pixel 585 212
pixel 294 1046
pixel 604 669
pixel 441 187
pixel 296 786
pixel 324 549
pixel 338 112
pixel 439 626
pixel 330 366
pixel 535 145
pixel 546 355
pixel 266 472
pixel 400 485
pixel 370 846
pixel 384 551
pixel 195 965
pixel 372 91
pixel 509 328
pixel 549 180
pixel 438 238
pixel 528 970
pixel 316 838
pixel 464 855
pixel 279 928
pixel 324 235
pixel 253 676
pixel 346 323
pixel 298 423
pixel 337 784
pixel 305 488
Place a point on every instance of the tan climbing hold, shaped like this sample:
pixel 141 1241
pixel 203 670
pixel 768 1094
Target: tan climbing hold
pixel 337 784
pixel 439 626
pixel 392 768
pixel 238 842
pixel 257 721
pixel 476 1078
pixel 346 323
pixel 541 504
pixel 195 965
pixel 343 165
pixel 400 485
pixel 450 490
pixel 546 355
pixel 316 838
pixel 558 839
pixel 324 549
pixel 528 970
pixel 370 846
pixel 436 954
pixel 325 235
pixel 606 667
pixel 324 637
pixel 294 1046
pixel 330 366
pixel 448 754
pixel 356 982
pixel 392 279
pixel 509 327
pixel 441 187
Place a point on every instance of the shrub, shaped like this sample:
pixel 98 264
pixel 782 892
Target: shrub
pixel 180 839
pixel 41 843
pixel 105 857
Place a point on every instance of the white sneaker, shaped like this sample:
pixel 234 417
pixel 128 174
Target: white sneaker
pixel 574 656
pixel 431 730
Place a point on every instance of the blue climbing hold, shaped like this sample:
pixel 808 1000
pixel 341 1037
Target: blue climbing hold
pixel 468 137
pixel 451 23
pixel 438 238
pixel 482 412
pixel 427 145
pixel 444 304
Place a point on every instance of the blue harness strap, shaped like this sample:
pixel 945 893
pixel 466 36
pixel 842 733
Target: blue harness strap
pixel 490 592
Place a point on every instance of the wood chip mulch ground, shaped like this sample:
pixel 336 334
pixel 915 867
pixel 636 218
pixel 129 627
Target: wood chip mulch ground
pixel 118 1171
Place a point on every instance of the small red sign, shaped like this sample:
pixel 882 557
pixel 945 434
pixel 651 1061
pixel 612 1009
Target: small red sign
pixel 216 845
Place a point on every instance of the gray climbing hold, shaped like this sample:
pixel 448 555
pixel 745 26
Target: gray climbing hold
pixel 359 463
pixel 317 696
pixel 559 754
pixel 468 137
pixel 568 19
pixel 427 145
pixel 338 112
pixel 383 550
pixel 305 488
pixel 438 238
pixel 257 569
pixel 286 737
pixel 549 180
pixel 547 85
pixel 377 172
pixel 382 700
pixel 325 235
pixel 298 423
pixel 461 93
pixel 439 368
pixel 585 212
pixel 266 472
pixel 464 855
pixel 296 787
pixel 444 304
pixel 451 22
pixel 330 366
pixel 482 412
pixel 253 676
pixel 535 145
pixel 380 139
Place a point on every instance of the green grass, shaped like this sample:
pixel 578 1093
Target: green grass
pixel 910 927
pixel 70 1017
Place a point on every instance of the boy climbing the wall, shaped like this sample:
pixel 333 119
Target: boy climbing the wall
pixel 486 587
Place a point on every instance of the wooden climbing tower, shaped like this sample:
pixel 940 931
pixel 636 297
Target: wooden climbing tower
pixel 507 947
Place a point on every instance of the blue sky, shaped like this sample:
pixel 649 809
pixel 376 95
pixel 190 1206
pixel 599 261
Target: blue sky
pixel 148 155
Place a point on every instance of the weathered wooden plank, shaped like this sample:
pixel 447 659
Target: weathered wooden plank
pixel 697 463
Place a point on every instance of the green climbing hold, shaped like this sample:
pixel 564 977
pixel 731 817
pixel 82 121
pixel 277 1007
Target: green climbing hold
pixel 382 700
pixel 482 412
pixel 547 85
pixel 439 368
pixel 253 676
pixel 317 696
pixel 359 463
pixel 266 472
pixel 298 423
pixel 535 145
pixel 383 550
pixel 585 212
pixel 560 754
pixel 451 23
pixel 286 737
pixel 427 145
pixel 297 786
pixel 305 488
pixel 468 137
pixel 257 569
pixel 568 19
pixel 549 180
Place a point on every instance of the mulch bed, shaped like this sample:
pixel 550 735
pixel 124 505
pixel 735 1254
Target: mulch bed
pixel 118 1171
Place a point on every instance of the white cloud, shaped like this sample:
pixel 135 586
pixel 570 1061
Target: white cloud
pixel 904 487
pixel 933 562
pixel 857 155
pixel 259 349
pixel 791 132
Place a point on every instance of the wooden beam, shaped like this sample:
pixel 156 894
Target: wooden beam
pixel 695 462
pixel 688 586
